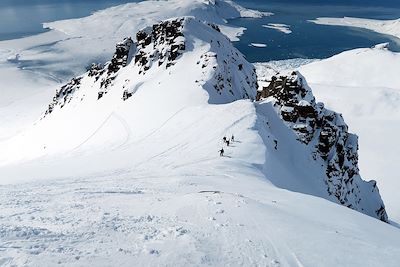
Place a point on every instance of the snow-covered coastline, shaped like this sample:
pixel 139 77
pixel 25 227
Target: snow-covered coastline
pixel 388 27
pixel 71 45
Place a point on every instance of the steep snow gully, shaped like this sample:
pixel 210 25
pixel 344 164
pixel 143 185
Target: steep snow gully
pixel 134 144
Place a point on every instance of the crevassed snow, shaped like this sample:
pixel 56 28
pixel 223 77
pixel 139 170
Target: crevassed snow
pixel 389 27
pixel 279 27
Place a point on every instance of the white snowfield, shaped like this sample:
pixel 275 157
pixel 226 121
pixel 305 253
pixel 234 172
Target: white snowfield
pixel 389 27
pixel 113 182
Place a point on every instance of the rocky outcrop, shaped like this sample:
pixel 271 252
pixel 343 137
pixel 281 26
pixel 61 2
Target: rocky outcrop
pixel 163 43
pixel 64 94
pixel 161 46
pixel 327 134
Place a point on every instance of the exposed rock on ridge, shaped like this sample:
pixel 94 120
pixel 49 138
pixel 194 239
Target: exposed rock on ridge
pixel 327 134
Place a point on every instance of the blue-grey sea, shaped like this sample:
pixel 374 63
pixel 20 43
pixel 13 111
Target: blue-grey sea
pixel 19 18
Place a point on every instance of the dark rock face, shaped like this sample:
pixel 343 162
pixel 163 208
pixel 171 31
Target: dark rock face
pixel 64 95
pixel 328 134
pixel 96 70
pixel 167 41
pixel 163 43
pixel 297 104
pixel 215 27
pixel 126 95
pixel 120 57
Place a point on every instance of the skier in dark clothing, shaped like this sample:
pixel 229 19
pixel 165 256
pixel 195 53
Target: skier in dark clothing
pixel 224 139
pixel 232 138
pixel 221 152
pixel 227 142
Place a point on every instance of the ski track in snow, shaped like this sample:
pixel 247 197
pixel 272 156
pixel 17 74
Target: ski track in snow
pixel 94 132
pixel 127 130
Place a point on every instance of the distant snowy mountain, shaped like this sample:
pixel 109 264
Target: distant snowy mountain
pixel 389 27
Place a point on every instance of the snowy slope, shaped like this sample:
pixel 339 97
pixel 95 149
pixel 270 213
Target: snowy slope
pixel 374 113
pixel 328 142
pixel 389 27
pixel 136 144
pixel 31 67
pixel 153 76
pixel 355 84
pixel 214 213
pixel 22 97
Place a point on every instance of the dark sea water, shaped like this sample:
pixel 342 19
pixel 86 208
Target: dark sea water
pixel 309 40
pixel 19 18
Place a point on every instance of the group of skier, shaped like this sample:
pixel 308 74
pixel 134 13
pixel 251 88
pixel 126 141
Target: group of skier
pixel 227 141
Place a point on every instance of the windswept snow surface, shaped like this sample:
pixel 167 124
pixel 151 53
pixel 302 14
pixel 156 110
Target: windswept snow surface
pixel 363 85
pixel 389 27
pixel 279 27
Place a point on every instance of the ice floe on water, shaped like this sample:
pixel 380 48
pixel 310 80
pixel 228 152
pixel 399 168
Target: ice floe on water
pixel 279 27
pixel 259 45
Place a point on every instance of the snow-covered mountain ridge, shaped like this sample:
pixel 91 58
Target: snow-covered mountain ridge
pixel 123 167
pixel 326 133
pixel 363 85
pixel 227 77
pixel 161 45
